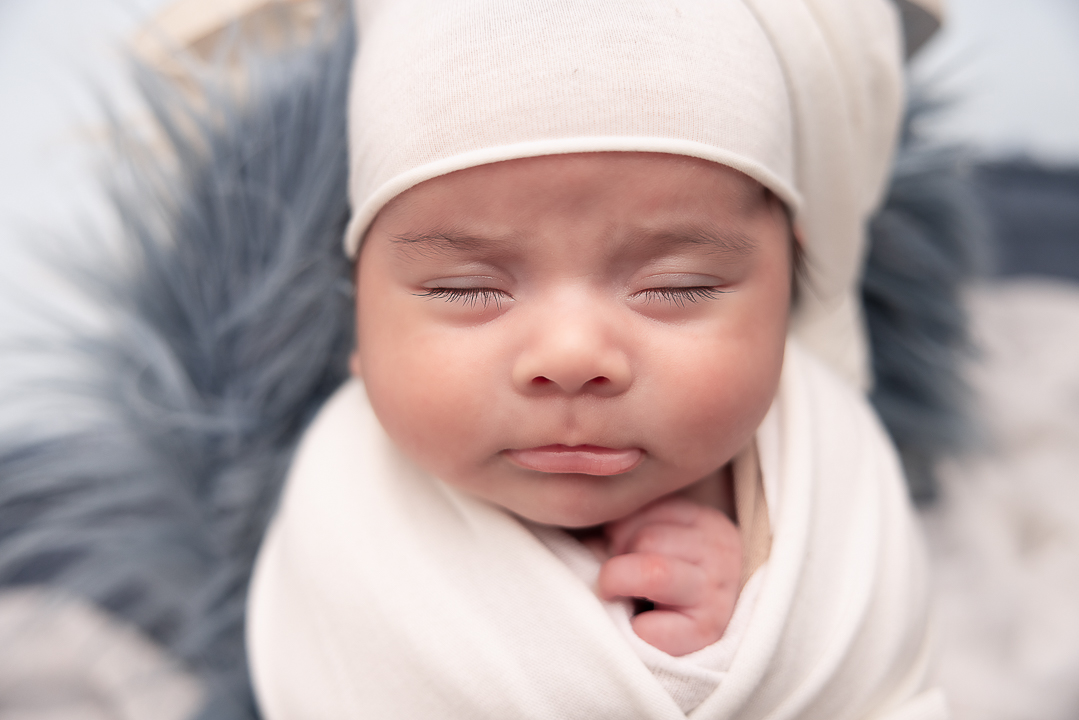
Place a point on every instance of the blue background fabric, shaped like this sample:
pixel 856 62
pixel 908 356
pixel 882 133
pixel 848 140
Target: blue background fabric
pixel 229 321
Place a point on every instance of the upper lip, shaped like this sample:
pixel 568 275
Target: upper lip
pixel 556 446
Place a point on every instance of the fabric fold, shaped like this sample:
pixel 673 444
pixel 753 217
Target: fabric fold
pixel 381 592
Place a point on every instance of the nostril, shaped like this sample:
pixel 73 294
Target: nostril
pixel 601 371
pixel 598 381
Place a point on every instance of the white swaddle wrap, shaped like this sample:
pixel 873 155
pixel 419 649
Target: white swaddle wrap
pixel 380 592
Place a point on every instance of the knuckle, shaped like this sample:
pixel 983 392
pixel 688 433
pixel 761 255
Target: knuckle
pixel 655 571
pixel 723 533
pixel 650 538
pixel 725 570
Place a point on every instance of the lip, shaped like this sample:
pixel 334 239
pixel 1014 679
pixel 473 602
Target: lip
pixel 577 459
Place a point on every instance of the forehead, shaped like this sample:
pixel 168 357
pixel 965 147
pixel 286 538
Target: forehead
pixel 646 189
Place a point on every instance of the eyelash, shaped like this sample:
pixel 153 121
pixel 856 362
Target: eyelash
pixel 681 295
pixel 469 296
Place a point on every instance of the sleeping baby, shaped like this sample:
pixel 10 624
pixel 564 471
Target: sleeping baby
pixel 606 451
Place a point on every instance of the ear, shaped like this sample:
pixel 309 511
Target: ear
pixel 355 367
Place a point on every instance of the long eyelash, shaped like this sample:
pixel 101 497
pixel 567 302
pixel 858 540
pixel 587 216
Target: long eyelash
pixel 680 296
pixel 469 296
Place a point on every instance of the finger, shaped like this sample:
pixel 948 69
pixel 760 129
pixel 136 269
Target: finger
pixel 675 633
pixel 722 543
pixel 685 542
pixel 661 579
pixel 708 527
pixel 671 510
pixel 717 551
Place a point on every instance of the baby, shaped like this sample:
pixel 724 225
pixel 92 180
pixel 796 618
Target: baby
pixel 576 228
pixel 587 339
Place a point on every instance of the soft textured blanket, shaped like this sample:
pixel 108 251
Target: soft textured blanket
pixel 380 592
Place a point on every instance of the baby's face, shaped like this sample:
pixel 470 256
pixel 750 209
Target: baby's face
pixel 573 336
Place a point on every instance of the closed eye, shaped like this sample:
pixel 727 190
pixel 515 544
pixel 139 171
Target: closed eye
pixel 471 297
pixel 680 296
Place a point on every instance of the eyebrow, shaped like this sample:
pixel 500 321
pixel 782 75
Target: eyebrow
pixel 445 242
pixel 727 242
pixel 721 241
pixel 440 237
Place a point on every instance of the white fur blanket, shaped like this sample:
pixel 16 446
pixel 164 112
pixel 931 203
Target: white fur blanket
pixel 382 593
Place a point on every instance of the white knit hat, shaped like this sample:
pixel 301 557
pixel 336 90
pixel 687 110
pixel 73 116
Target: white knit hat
pixel 802 95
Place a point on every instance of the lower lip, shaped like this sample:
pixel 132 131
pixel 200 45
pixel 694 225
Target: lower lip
pixel 577 459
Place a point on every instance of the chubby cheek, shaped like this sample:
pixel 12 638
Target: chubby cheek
pixel 427 391
pixel 718 391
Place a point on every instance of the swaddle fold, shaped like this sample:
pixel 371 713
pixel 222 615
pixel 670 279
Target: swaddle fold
pixel 380 592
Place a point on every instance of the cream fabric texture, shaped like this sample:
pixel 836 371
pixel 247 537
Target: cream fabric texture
pixel 688 679
pixel 691 678
pixel 802 95
pixel 381 592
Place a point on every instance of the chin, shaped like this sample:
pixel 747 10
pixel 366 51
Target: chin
pixel 576 517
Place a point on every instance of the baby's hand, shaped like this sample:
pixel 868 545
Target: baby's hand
pixel 687 560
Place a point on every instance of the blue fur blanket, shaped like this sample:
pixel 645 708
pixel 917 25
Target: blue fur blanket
pixel 230 323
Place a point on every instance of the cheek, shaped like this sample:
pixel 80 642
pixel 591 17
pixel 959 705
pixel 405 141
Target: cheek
pixel 719 400
pixel 719 388
pixel 426 387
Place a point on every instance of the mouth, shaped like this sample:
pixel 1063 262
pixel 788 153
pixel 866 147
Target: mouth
pixel 577 459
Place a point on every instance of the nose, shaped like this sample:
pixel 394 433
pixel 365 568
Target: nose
pixel 573 351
